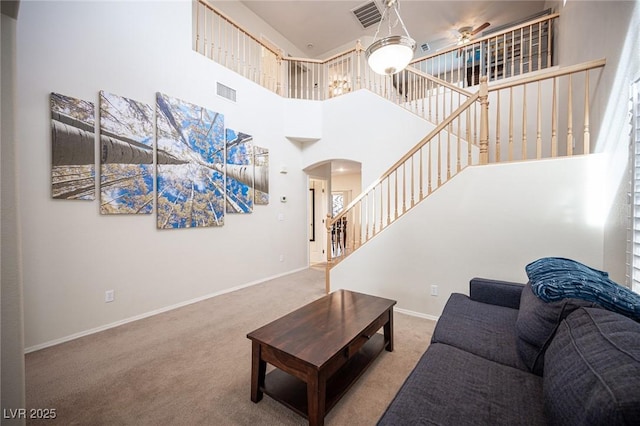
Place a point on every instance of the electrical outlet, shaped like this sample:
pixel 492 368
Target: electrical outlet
pixel 109 296
pixel 434 290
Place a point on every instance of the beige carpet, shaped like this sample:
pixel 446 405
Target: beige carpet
pixel 192 365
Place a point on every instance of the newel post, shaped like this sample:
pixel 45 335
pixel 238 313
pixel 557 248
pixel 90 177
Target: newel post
pixel 327 274
pixel 359 50
pixel 281 73
pixel 484 120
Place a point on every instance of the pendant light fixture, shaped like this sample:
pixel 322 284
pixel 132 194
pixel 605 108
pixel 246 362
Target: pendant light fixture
pixel 391 54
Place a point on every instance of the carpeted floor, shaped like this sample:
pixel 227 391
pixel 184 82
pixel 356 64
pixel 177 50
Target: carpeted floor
pixel 192 365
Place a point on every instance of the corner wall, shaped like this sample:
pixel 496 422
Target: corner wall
pixel 72 254
pixel 12 389
pixel 591 30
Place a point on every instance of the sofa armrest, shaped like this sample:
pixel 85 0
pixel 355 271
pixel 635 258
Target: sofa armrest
pixel 495 292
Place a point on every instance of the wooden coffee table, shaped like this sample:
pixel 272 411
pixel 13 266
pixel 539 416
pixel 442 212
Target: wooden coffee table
pixel 320 350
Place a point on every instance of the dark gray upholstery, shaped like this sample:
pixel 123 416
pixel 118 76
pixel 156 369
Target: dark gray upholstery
pixel 494 292
pixel 471 374
pixel 450 386
pixel 536 325
pixel 593 369
pixel 480 328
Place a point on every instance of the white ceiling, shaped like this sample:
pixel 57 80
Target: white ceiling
pixel 320 26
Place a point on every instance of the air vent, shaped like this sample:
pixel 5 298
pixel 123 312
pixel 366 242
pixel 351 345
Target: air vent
pixel 226 92
pixel 368 14
pixel 425 47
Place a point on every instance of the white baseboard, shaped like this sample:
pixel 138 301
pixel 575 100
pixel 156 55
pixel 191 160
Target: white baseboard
pixel 154 312
pixel 416 314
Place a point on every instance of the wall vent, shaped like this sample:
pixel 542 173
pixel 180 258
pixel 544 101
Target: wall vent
pixel 368 14
pixel 226 92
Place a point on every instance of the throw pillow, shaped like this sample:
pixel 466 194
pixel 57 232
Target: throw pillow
pixel 555 278
pixel 537 324
pixel 592 369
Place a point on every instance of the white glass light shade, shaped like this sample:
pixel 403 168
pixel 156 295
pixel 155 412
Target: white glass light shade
pixel 391 54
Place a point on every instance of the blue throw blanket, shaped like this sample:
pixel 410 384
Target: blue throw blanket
pixel 556 278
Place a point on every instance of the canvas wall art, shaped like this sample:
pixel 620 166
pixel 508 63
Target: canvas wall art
pixel 261 175
pixel 190 165
pixel 126 155
pixel 239 167
pixel 73 148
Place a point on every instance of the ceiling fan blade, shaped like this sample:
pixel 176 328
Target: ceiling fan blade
pixel 480 28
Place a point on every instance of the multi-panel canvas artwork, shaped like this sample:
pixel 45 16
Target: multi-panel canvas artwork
pixel 239 167
pixel 126 155
pixel 190 168
pixel 261 175
pixel 73 148
pixel 203 170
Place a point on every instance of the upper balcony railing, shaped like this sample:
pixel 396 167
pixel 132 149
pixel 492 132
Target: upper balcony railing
pixel 515 51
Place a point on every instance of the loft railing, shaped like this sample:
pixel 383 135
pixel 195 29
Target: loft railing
pixel 515 51
pixel 221 39
pixel 528 109
pixel 544 115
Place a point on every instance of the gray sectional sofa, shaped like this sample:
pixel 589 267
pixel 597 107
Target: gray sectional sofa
pixel 502 356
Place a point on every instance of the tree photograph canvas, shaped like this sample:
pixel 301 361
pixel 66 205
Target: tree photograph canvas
pixel 190 165
pixel 73 170
pixel 239 167
pixel 126 155
pixel 261 175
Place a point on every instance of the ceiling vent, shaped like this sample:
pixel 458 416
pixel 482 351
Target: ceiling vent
pixel 425 47
pixel 368 14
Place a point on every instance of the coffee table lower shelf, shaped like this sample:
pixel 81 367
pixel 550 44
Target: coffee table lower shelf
pixel 292 392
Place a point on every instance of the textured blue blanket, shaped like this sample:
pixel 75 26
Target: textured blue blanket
pixel 556 278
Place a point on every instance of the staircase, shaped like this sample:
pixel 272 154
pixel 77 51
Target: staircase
pixel 496 100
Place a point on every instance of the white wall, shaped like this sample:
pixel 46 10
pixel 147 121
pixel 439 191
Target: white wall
pixel 607 29
pixel 71 254
pixel 351 183
pixel 363 127
pixel 487 221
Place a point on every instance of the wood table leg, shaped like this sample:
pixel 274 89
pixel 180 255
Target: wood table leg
pixel 316 398
pixel 258 370
pixel 388 332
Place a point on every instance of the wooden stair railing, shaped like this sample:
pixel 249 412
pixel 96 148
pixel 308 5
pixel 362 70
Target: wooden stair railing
pixel 428 165
pixel 439 156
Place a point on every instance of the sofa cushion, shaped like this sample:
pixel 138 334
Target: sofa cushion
pixel 450 386
pixel 555 278
pixel 537 324
pixel 480 328
pixel 592 369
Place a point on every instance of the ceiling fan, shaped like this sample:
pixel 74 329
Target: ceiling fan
pixel 462 36
pixel 465 34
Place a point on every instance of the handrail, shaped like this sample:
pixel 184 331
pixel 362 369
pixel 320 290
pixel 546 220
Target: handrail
pixel 544 75
pixel 440 127
pixel 329 59
pixel 240 27
pixel 439 81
